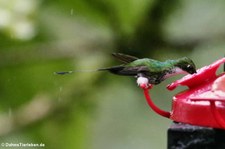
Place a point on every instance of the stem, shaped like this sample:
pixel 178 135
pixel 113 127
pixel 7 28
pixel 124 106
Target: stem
pixel 153 106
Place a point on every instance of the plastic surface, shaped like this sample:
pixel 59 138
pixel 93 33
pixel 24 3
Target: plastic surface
pixel 203 104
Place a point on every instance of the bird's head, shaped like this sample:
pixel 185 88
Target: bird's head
pixel 186 64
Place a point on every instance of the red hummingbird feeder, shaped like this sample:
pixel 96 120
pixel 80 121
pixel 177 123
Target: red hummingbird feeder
pixel 203 103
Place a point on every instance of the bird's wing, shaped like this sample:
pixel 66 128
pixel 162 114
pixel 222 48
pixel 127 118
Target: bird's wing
pixel 126 71
pixel 124 58
pixel 133 71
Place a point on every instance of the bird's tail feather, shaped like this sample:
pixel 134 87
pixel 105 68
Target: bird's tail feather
pixel 114 69
pixel 73 71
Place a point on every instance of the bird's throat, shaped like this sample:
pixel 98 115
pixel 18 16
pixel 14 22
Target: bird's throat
pixel 173 72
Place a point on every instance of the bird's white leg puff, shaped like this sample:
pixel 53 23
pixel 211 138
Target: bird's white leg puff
pixel 143 82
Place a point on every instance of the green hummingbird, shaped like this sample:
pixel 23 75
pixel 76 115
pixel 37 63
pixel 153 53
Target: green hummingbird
pixel 155 71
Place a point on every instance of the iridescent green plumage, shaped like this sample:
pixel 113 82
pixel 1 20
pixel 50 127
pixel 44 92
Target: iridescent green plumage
pixel 155 71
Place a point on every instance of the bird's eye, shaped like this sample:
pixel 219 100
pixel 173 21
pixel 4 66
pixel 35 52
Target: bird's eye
pixel 190 69
pixel 188 66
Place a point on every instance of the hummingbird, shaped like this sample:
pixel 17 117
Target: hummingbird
pixel 145 69
pixel 153 70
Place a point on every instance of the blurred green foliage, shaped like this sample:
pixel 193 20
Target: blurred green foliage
pixel 95 110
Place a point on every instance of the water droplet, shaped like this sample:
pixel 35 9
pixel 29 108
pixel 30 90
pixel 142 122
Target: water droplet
pixel 60 88
pixel 71 12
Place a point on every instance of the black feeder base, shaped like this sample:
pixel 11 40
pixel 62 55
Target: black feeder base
pixel 185 136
